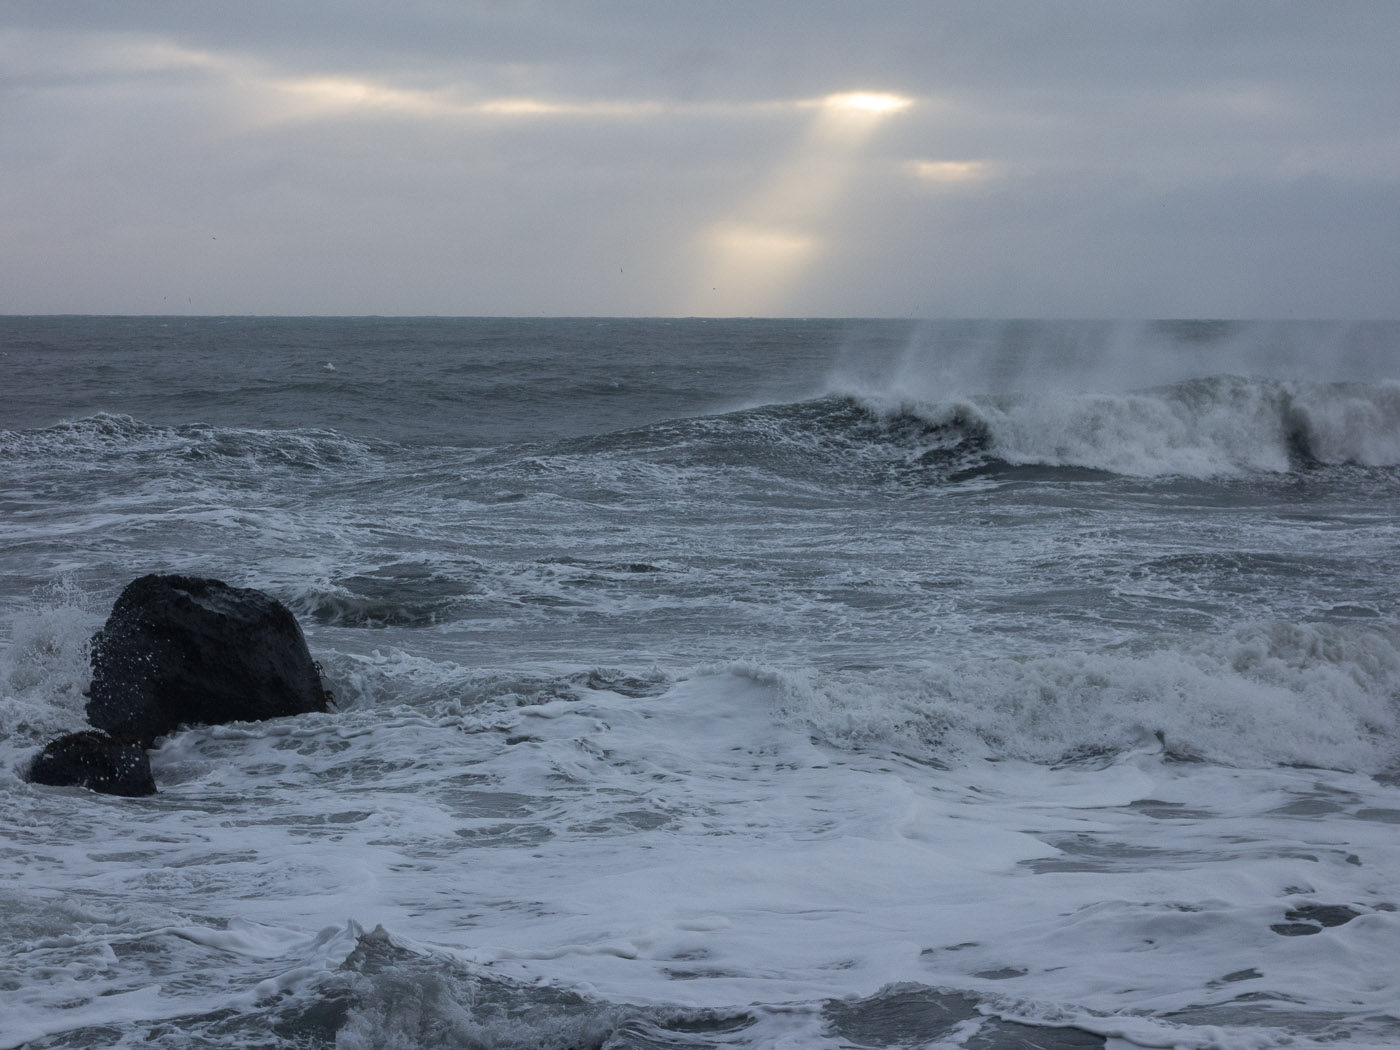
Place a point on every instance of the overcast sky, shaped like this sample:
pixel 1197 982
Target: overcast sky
pixel 986 158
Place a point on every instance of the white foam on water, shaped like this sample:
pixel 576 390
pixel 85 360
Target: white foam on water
pixel 44 668
pixel 697 848
pixel 1263 694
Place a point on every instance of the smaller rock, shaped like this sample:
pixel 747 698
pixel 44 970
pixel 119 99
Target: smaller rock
pixel 95 761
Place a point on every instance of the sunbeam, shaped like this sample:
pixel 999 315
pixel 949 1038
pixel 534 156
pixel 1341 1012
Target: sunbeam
pixel 750 260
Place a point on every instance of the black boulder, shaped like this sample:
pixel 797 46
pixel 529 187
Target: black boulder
pixel 181 650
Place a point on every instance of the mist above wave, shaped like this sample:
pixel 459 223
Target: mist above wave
pixel 938 358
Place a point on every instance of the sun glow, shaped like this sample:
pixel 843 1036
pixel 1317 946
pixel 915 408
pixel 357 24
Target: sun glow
pixel 871 102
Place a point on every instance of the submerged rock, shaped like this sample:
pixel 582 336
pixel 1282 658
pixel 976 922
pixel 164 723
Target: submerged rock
pixel 1312 918
pixel 96 761
pixel 181 650
pixel 905 1014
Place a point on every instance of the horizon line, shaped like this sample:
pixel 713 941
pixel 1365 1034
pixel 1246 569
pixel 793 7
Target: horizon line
pixel 916 318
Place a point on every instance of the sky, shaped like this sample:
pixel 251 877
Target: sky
pixel 986 158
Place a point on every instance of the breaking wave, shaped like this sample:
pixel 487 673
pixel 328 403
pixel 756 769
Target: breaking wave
pixel 1217 426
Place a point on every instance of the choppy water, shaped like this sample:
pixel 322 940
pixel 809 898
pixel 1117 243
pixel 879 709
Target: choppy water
pixel 751 684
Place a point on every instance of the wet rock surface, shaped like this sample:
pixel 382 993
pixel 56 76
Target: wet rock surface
pixel 181 650
pixel 96 761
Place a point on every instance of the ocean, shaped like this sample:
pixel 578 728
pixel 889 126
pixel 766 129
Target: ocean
pixel 710 683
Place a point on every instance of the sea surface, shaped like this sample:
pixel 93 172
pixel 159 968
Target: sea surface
pixel 719 684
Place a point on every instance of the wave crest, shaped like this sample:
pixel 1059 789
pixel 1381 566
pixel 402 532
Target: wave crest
pixel 1217 426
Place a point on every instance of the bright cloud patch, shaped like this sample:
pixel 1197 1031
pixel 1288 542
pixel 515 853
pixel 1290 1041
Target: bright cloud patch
pixel 952 172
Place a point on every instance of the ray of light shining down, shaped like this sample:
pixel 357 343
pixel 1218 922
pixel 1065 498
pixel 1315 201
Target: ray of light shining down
pixel 752 259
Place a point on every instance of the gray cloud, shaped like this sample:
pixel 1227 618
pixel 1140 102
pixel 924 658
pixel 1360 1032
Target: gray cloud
pixel 1078 158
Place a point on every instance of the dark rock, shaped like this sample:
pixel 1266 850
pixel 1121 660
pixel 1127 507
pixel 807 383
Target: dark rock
pixel 96 761
pixel 1326 914
pixel 1295 929
pixel 1312 918
pixel 180 650
pixel 908 1014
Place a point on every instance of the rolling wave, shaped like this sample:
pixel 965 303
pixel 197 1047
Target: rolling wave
pixel 1217 427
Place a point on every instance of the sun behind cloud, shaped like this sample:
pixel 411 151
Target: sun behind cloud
pixel 876 103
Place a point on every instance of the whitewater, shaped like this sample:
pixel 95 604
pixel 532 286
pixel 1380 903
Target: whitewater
pixel 754 684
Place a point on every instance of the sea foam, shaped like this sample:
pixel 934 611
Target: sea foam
pixel 1264 694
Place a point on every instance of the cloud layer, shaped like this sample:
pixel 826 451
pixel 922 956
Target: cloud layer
pixel 621 158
